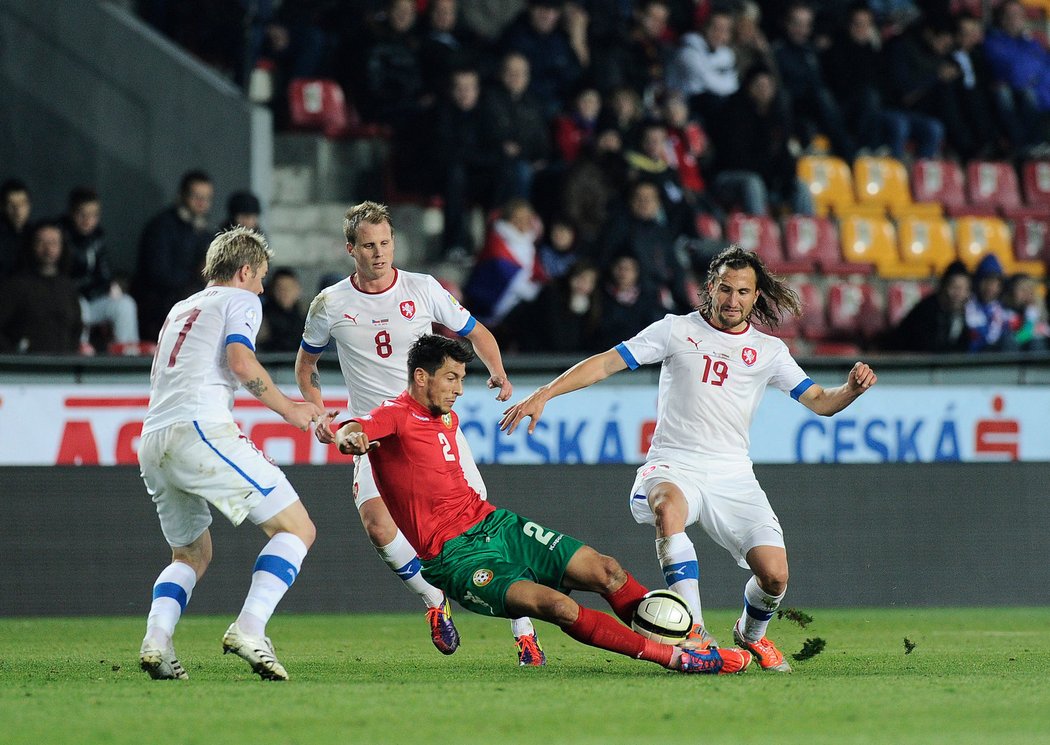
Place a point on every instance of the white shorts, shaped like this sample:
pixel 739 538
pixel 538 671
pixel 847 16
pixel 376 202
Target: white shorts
pixel 189 465
pixel 365 484
pixel 726 500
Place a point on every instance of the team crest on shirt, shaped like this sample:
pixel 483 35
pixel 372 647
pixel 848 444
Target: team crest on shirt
pixel 408 309
pixel 251 317
pixel 446 419
pixel 482 577
pixel 749 356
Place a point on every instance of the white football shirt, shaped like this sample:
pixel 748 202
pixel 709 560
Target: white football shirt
pixel 711 383
pixel 373 331
pixel 191 379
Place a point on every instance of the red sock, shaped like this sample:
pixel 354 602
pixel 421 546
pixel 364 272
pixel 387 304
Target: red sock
pixel 602 631
pixel 626 599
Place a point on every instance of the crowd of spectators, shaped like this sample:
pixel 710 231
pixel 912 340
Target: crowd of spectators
pixel 596 135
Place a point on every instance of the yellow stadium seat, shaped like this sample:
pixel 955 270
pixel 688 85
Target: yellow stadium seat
pixel 869 240
pixel 927 242
pixel 829 182
pixel 977 236
pixel 884 182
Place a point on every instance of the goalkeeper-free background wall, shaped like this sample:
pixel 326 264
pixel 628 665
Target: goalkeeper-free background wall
pixel 85 541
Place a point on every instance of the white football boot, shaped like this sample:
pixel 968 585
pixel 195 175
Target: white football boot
pixel 257 651
pixel 161 662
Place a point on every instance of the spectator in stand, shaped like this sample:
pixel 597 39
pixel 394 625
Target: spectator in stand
pixel 704 66
pixel 557 52
pixel 937 323
pixel 750 44
pixel 1027 315
pixel 488 18
pixel 466 162
pixel 655 161
pixel 591 185
pixel 922 78
pixel 17 206
pixel 385 75
pixel 515 119
pixel 755 168
pixel 650 49
pixel 446 45
pixel 1023 64
pixel 812 105
pixel 557 250
pixel 102 298
pixel 623 113
pixel 578 127
pixel 171 253
pixel 644 234
pixel 563 317
pixel 39 305
pixel 974 89
pixel 853 67
pixel 508 270
pixel 243 208
pixel 986 316
pixel 627 307
pixel 688 142
pixel 283 318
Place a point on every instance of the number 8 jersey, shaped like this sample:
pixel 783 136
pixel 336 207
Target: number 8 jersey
pixel 191 379
pixel 373 331
pixel 711 383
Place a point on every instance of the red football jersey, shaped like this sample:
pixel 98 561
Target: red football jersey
pixel 417 470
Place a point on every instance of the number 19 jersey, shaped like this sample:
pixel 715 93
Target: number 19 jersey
pixel 711 383
pixel 373 331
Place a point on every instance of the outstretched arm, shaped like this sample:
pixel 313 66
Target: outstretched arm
pixel 253 376
pixel 582 374
pixel 488 352
pixel 830 401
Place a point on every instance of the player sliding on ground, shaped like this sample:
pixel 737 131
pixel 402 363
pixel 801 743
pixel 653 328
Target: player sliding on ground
pixel 193 455
pixel 715 367
pixel 372 317
pixel 492 561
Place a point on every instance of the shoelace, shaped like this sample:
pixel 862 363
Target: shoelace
pixel 527 645
pixel 694 661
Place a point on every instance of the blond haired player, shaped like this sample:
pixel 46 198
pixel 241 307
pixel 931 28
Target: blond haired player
pixel 715 366
pixel 193 456
pixel 373 317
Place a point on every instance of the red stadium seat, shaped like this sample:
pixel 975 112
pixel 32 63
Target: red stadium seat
pixel 816 240
pixel 855 310
pixel 1032 240
pixel 901 297
pixel 1035 177
pixel 993 184
pixel 814 321
pixel 318 104
pixel 761 234
pixel 707 226
pixel 943 181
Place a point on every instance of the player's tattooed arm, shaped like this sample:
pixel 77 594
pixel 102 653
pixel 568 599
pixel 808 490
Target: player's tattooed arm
pixel 256 387
pixel 315 380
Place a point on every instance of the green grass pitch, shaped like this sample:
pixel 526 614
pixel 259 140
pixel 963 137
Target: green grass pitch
pixel 972 676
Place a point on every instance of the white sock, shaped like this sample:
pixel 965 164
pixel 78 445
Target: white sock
pixel 677 557
pixel 171 593
pixel 274 572
pixel 401 557
pixel 522 626
pixel 759 607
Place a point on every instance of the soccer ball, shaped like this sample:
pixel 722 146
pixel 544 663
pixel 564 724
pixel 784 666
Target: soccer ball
pixel 663 616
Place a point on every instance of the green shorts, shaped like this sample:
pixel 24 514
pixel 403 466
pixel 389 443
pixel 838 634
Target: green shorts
pixel 477 567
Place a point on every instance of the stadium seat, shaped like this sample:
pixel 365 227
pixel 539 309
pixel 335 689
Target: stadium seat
pixel 831 184
pixel 318 104
pixel 874 241
pixel 1032 240
pixel 901 297
pixel 927 242
pixel 816 239
pixel 814 320
pixel 707 226
pixel 993 184
pixel 1035 178
pixel 855 310
pixel 977 236
pixel 942 181
pixel 883 182
pixel 761 234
